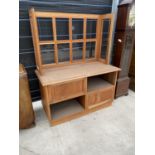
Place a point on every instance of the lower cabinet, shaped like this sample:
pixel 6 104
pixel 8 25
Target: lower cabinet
pixel 72 99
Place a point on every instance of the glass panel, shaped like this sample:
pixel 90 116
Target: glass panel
pixel 63 52
pixel 77 51
pixel 106 26
pixel 77 28
pixel 45 28
pixel 47 54
pixel 91 28
pixel 90 49
pixel 62 26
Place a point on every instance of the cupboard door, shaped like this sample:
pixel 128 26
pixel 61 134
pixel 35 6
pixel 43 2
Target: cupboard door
pixel 93 98
pixel 100 97
pixel 105 95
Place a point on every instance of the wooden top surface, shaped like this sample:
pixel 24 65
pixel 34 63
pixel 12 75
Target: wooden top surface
pixel 72 72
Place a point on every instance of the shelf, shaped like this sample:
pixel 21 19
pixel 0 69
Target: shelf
pixel 66 108
pixel 95 83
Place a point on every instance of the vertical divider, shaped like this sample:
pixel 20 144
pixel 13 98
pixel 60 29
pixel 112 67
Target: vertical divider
pixel 55 40
pixel 84 39
pixel 108 50
pixel 70 40
pixel 35 33
pixel 47 103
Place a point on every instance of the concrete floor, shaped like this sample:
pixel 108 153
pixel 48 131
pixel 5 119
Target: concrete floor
pixel 110 131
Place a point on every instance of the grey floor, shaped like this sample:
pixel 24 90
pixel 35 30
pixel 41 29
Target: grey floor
pixel 110 131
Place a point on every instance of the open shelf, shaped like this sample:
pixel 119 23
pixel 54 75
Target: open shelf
pixel 65 108
pixel 101 81
pixel 97 82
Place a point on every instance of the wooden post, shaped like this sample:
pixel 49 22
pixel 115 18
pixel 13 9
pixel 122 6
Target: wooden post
pixel 35 34
pixel 84 39
pixel 70 40
pixel 108 51
pixel 99 38
pixel 55 40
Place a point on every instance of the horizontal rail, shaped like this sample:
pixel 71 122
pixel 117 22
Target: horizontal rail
pixel 65 15
pixel 65 41
pixel 44 36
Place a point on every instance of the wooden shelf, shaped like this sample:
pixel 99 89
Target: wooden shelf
pixel 95 83
pixel 66 108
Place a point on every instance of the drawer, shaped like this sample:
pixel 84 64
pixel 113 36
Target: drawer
pixel 104 95
pixel 67 90
pixel 92 98
pixel 100 96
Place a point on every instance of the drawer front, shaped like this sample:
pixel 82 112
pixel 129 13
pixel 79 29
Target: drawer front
pixel 104 95
pixel 100 96
pixel 68 90
pixel 92 98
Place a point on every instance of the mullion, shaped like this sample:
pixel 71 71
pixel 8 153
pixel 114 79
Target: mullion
pixel 70 40
pixel 55 39
pixel 108 44
pixel 84 38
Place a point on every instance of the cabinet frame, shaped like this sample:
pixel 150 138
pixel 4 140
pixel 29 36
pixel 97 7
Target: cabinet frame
pixel 72 77
pixel 47 93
